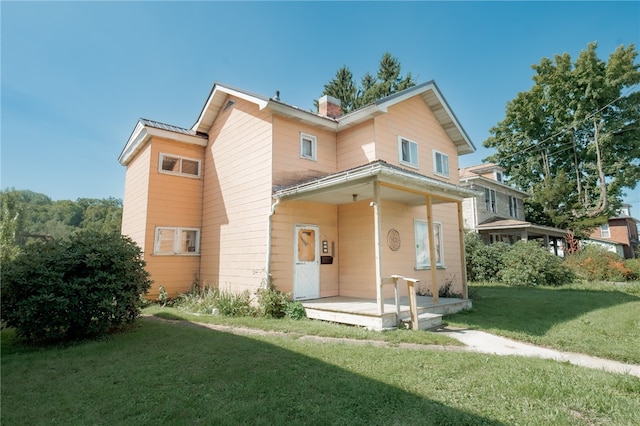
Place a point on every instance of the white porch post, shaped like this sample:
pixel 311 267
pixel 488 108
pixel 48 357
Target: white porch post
pixel 463 259
pixel 377 248
pixel 432 252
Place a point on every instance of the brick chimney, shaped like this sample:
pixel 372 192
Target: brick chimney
pixel 329 106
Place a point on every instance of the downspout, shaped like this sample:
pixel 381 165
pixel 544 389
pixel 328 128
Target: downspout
pixel 267 281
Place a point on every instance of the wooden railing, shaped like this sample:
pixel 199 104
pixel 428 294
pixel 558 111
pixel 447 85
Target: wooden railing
pixel 413 304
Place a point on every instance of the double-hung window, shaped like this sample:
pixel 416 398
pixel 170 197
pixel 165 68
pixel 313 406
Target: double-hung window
pixel 176 165
pixel 513 207
pixel 441 163
pixel 171 240
pixel 423 259
pixel 408 152
pixel 604 231
pixel 308 147
pixel 490 200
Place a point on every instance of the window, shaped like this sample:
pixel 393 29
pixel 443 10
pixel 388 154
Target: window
pixel 604 231
pixel 441 163
pixel 498 176
pixel 513 206
pixel 175 165
pixel 170 240
pixel 490 200
pixel 408 152
pixel 308 147
pixel 422 244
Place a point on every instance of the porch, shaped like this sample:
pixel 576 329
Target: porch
pixel 365 312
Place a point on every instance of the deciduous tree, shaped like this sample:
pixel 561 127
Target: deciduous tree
pixel 573 140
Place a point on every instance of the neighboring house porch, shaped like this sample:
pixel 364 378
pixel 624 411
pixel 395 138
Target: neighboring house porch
pixel 510 231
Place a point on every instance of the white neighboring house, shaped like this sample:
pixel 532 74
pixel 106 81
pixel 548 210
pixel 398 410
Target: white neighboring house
pixel 498 214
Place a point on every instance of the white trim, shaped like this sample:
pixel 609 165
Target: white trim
pixel 143 133
pixel 605 229
pixel 164 155
pixel 177 242
pixel 409 163
pixel 435 164
pixel 314 146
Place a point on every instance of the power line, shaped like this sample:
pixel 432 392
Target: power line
pixel 572 125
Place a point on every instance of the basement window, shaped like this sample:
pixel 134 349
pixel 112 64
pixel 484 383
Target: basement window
pixel 172 241
pixel 181 166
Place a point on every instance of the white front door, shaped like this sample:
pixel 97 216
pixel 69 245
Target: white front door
pixel 306 259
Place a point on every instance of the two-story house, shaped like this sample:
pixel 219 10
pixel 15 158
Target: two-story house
pixel 321 205
pixel 497 213
pixel 619 235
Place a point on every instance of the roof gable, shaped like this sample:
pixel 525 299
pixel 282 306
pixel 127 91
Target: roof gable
pixel 429 92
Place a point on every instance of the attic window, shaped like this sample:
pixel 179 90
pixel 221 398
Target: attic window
pixel 228 105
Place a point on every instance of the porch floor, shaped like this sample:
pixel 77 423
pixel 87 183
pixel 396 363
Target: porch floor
pixel 364 312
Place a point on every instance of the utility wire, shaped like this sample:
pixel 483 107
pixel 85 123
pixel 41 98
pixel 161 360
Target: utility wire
pixel 570 126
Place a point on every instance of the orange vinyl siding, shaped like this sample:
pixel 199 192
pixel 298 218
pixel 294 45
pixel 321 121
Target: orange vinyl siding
pixel 237 198
pixel 357 257
pixel 136 194
pixel 174 201
pixel 288 167
pixel 289 214
pixel 356 146
pixel 414 120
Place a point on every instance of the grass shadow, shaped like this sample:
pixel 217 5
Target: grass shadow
pixel 178 373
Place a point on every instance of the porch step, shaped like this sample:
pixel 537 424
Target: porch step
pixel 425 321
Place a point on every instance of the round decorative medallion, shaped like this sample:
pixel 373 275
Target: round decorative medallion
pixel 393 239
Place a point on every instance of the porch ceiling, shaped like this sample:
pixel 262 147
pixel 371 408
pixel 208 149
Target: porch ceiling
pixel 396 184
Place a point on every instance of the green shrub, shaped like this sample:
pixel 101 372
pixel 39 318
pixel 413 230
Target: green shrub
pixel 595 263
pixel 294 310
pixel 85 286
pixel 213 300
pixel 272 303
pixel 633 265
pixel 484 262
pixel 526 263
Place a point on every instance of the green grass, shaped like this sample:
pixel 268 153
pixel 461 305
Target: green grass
pixel 599 319
pixel 181 374
pixel 304 327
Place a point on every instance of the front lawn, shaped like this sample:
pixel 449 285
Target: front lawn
pixel 598 318
pixel 182 374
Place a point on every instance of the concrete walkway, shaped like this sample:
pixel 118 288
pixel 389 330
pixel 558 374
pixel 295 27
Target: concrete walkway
pixel 480 341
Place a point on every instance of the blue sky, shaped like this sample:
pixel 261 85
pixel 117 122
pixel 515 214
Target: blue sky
pixel 76 76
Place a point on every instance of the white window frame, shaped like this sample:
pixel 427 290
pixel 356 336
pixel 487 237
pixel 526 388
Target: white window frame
pixel 176 245
pixel 313 156
pixel 412 152
pixel 443 164
pixel 605 230
pixel 180 159
pixel 513 206
pixel 421 237
pixel 490 200
pixel 498 176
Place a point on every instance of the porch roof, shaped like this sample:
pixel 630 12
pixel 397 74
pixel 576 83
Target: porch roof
pixel 397 184
pixel 532 229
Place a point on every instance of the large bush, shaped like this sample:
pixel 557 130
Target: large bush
pixel 527 263
pixel 595 263
pixel 85 286
pixel 484 262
